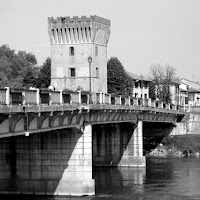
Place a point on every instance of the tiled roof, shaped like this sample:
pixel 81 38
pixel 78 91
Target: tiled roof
pixel 137 77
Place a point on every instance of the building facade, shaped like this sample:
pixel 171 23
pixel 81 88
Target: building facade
pixel 193 90
pixel 140 86
pixel 73 41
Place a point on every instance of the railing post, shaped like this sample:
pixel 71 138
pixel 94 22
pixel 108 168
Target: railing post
pixel 70 98
pixel 136 102
pixel 120 100
pixel 129 100
pixel 103 98
pixel 154 103
pixel 37 97
pixel 109 99
pixel 79 98
pixel 7 96
pixel 23 98
pixel 143 102
pixel 149 102
pixel 61 97
pixel 100 98
pixel 50 98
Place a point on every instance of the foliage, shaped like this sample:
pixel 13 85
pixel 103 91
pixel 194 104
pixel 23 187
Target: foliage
pixel 119 82
pixel 45 74
pixel 152 89
pixel 162 77
pixel 183 142
pixel 31 77
pixel 20 70
pixel 15 66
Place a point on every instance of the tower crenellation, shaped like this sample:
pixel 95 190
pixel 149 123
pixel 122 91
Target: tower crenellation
pixel 76 29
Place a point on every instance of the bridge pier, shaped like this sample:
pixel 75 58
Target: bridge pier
pixel 53 163
pixel 77 177
pixel 118 145
pixel 133 154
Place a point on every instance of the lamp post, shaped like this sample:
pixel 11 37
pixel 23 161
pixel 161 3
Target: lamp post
pixel 141 77
pixel 90 86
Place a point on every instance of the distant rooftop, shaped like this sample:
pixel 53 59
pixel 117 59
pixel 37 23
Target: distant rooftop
pixel 138 77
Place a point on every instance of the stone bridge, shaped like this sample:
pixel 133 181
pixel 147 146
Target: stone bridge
pixel 51 149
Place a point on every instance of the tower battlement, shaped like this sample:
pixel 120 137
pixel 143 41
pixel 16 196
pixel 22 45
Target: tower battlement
pixel 76 19
pixel 76 30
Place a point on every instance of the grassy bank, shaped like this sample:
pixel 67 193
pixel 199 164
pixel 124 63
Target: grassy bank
pixel 183 143
pixel 187 145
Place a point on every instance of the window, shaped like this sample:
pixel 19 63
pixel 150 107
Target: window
pixel 97 72
pixel 72 72
pixel 136 95
pixel 186 100
pixel 96 50
pixel 136 84
pixel 71 51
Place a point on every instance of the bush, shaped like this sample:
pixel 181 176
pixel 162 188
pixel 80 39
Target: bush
pixel 183 143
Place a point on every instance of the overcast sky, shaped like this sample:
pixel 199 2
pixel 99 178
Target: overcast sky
pixel 143 32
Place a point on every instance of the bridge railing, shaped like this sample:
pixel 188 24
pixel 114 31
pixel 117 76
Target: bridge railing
pixel 3 96
pixel 9 97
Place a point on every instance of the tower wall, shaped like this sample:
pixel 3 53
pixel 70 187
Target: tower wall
pixel 73 40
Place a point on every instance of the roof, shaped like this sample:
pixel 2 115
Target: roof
pixel 190 81
pixel 176 82
pixel 137 77
pixel 193 90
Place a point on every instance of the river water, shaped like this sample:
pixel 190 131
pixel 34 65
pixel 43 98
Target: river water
pixel 163 179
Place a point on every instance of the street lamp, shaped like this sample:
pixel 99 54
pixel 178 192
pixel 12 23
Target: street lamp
pixel 141 80
pixel 90 86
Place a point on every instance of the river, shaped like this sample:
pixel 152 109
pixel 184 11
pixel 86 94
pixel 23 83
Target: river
pixel 163 179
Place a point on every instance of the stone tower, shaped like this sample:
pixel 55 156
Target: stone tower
pixel 73 40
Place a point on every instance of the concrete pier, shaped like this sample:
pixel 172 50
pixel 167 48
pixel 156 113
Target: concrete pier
pixel 118 145
pixel 52 163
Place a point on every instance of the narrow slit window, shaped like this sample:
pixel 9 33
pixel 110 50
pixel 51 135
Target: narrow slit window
pixel 72 72
pixel 97 72
pixel 71 51
pixel 96 50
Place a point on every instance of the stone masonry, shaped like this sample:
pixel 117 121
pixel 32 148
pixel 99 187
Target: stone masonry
pixel 73 40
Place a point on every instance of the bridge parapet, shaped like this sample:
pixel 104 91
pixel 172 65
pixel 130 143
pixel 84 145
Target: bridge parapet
pixel 45 110
pixel 14 100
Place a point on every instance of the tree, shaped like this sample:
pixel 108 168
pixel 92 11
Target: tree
pixel 119 82
pixel 44 78
pixel 162 77
pixel 15 66
pixel 31 77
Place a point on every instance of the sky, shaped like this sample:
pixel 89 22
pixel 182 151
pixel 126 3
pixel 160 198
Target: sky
pixel 143 32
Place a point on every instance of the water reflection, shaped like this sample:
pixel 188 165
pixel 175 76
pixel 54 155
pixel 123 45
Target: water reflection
pixel 114 179
pixel 163 178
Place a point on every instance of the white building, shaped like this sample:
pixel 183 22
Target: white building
pixel 140 86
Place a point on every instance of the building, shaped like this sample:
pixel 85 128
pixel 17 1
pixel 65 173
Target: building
pixel 174 88
pixel 183 94
pixel 140 86
pixel 193 89
pixel 79 53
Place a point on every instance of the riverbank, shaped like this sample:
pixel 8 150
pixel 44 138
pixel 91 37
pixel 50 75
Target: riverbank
pixel 178 146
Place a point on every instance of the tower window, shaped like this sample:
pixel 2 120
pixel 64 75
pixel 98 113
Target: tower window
pixel 96 50
pixel 97 72
pixel 72 72
pixel 71 51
